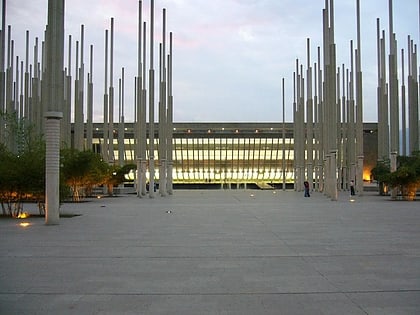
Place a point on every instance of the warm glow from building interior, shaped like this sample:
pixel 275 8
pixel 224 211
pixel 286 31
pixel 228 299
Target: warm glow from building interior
pixel 366 175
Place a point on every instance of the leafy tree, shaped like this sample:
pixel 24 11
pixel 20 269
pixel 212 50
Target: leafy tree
pixel 8 180
pixel 380 173
pixel 22 177
pixel 406 178
pixel 82 170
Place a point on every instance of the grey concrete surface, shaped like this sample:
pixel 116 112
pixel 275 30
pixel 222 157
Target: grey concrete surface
pixel 216 252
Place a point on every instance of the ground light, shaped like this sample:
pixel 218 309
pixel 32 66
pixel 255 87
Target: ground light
pixel 23 215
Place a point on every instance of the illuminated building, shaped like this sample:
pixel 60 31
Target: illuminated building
pixel 228 153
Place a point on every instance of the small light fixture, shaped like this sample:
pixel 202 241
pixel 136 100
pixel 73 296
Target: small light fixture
pixel 23 215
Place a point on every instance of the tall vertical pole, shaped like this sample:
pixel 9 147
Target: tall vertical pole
pixel 359 108
pixel 170 119
pixel 143 127
pixel 393 98
pixel 105 151
pixel 316 129
pixel 55 90
pixel 111 96
pixel 295 133
pixel 151 107
pixel 351 119
pixel 330 99
pixel 321 127
pixel 2 69
pixel 27 85
pixel 139 136
pixel 121 123
pixel 283 138
pixel 79 94
pixel 162 114
pixel 403 108
pixel 413 98
pixel 89 127
pixel 309 120
pixel 383 128
pixel 36 110
pixel 66 126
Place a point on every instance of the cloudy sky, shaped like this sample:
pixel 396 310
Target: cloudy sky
pixel 229 55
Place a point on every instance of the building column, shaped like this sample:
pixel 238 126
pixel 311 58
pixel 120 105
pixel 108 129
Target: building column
pixel 52 167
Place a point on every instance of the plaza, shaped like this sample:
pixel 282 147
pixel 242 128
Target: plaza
pixel 238 251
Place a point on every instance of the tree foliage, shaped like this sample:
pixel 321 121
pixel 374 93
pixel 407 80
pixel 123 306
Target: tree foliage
pixel 22 177
pixel 82 170
pixel 406 178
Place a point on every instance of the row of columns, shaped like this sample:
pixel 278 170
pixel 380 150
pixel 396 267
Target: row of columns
pixel 390 99
pixel 145 154
pixel 329 138
pixel 44 91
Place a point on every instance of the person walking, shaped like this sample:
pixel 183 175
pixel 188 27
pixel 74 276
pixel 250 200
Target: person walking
pixel 352 192
pixel 306 184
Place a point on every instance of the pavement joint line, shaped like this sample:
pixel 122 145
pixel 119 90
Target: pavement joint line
pixel 216 293
pixel 206 257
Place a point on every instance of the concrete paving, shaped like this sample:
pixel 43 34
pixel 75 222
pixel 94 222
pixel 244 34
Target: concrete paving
pixel 216 252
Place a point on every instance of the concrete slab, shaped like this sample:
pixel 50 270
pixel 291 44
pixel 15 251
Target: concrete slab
pixel 216 252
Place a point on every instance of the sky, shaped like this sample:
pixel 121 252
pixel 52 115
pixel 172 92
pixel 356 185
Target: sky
pixel 229 56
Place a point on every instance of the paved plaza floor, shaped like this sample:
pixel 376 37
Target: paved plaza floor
pixel 216 252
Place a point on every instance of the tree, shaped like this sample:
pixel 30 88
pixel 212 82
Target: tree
pixel 22 177
pixel 380 173
pixel 82 170
pixel 406 178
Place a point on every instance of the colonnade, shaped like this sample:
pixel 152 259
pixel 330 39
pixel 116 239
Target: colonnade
pixel 40 95
pixel 329 140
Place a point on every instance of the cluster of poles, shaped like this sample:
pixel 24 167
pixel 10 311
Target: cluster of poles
pixel 41 95
pixel 145 98
pixel 329 140
pixel 389 98
pixel 327 103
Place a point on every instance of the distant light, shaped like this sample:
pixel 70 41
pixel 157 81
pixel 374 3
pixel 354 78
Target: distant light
pixel 209 131
pixel 189 130
pixel 23 215
pixel 256 131
pixel 236 131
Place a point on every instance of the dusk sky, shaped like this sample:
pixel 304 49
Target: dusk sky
pixel 229 55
